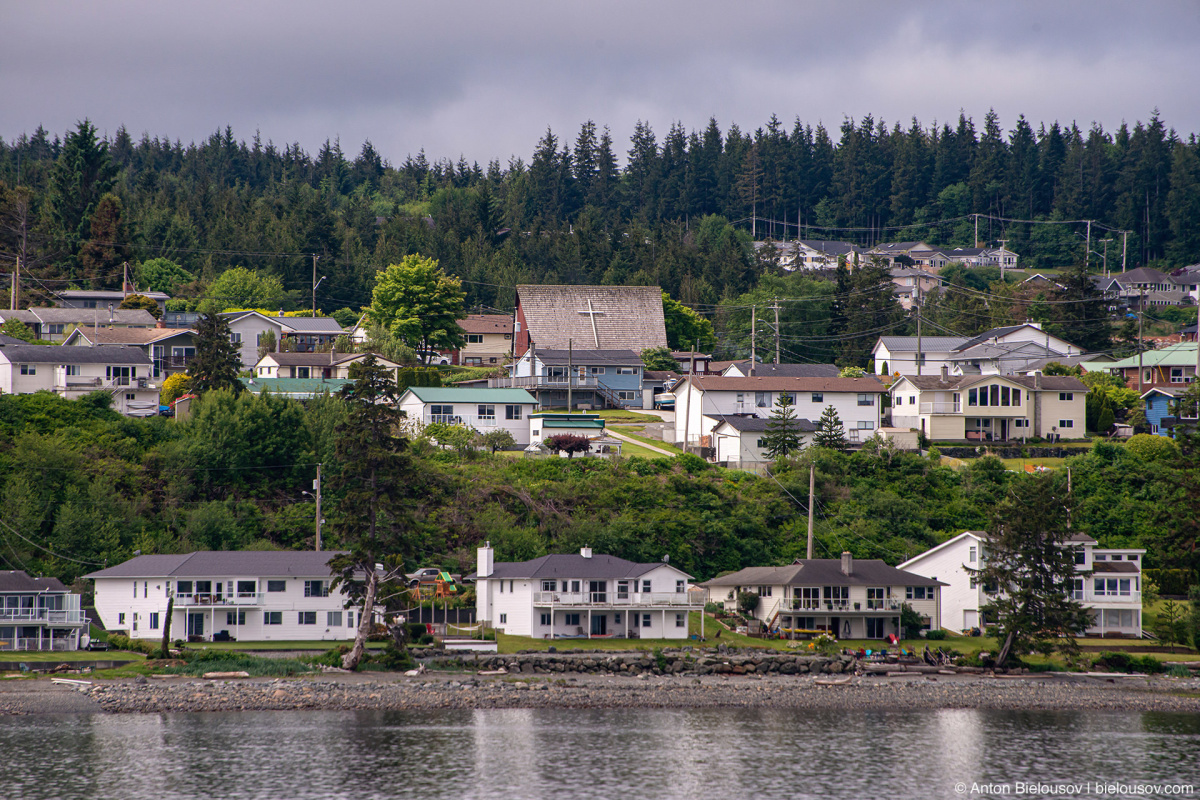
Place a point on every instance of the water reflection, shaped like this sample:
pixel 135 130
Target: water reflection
pixel 711 753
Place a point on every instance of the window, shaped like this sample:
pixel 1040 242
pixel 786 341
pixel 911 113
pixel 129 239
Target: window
pixel 512 412
pixel 349 619
pixel 276 586
pixel 72 369
pixel 680 620
pixel 1066 396
pixel 1080 557
pixel 1066 423
pixel 972 397
pixel 1099 557
pixel 316 589
pixel 549 586
pixel 333 619
pixel 875 628
pixel 474 338
pixel 441 413
pixel 912 399
pixel 130 396
pixel 764 591
pixel 971 554
pixel 1176 374
pixel 918 593
pixel 203 587
pixel 645 586
pixel 55 328
pixel 272 618
pixel 247 588
pixel 741 398
pixel 120 619
pixel 545 620
pixel 28 369
pixel 680 587
pixel 866 425
pixel 571 619
pixel 645 620
pixel 307 617
pixel 486 412
pixel 303 372
pixel 762 399
pixel 235 337
pixel 145 588
pixel 597 370
pixel 627 370
pixel 627 395
pixel 504 619
pixel 574 586
pixel 1020 422
pixel 153 620
pixel 866 399
pixel 235 617
pixel 183 587
pixel 818 397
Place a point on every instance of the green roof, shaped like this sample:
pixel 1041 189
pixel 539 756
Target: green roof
pixel 564 416
pixel 305 387
pixel 464 394
pixel 550 422
pixel 1177 355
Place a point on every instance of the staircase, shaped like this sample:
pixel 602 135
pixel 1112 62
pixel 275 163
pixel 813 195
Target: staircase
pixel 610 397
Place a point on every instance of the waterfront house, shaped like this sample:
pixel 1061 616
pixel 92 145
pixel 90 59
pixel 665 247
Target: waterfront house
pixel 38 614
pixel 71 372
pixel 584 595
pixel 246 595
pixel 482 409
pixel 1109 584
pixel 848 598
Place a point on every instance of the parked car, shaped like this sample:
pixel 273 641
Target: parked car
pixel 433 358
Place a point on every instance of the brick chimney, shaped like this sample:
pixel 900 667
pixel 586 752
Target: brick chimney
pixel 1037 380
pixel 847 563
pixel 945 372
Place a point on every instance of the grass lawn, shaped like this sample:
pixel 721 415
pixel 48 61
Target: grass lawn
pixel 68 656
pixel 611 414
pixel 659 443
pixel 1019 464
pixel 290 645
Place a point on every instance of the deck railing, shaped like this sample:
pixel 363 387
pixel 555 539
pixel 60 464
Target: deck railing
pixel 621 599
pixel 237 599
pixel 55 616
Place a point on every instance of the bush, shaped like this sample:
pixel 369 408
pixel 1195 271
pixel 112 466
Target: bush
pixel 1179 671
pixel 1149 447
pixel 394 658
pixel 148 647
pixel 199 663
pixel 747 602
pixel 714 608
pixel 1169 581
pixel 331 658
pixel 1124 662
pixel 936 634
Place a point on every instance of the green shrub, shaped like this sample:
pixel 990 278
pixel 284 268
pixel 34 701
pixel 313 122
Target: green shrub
pixel 1179 671
pixel 201 662
pixel 747 602
pixel 1149 447
pixel 714 608
pixel 1124 662
pixel 394 658
pixel 936 635
pixel 331 658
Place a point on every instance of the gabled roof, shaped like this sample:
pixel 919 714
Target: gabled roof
pixel 574 565
pixel 16 580
pixel 224 563
pixel 466 394
pixel 92 317
pixel 977 536
pixel 708 383
pixel 106 294
pixel 1143 275
pixel 759 424
pixel 824 572
pixel 1000 350
pixel 929 344
pixel 320 325
pixel 789 370
pixel 587 358
pixel 997 333
pixel 57 354
pixel 1182 354
pixel 1050 383
pixel 603 317
pixel 131 336
pixel 829 247
pixel 486 323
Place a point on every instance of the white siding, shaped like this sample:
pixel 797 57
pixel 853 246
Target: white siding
pixel 698 412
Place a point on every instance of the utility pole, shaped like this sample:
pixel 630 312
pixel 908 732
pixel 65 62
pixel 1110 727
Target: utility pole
pixel 314 293
pixel 753 325
pixel 1087 250
pixel 16 278
pixel 1124 248
pixel 1003 242
pixel 125 280
pixel 776 307
pixel 917 282
pixel 1141 317
pixel 976 216
pixel 317 496
pixel 812 480
pixel 1105 256
pixel 570 371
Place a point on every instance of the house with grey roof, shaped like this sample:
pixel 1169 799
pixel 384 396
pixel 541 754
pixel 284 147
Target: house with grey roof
pixel 584 595
pixel 743 369
pixel 71 372
pixel 591 378
pixel 739 442
pixel 245 595
pixel 327 365
pixel 998 350
pixel 54 324
pixel 583 317
pixel 38 613
pixel 170 350
pixel 306 334
pixel 481 409
pixel 904 355
pixel 847 598
pixel 989 407
pixel 101 298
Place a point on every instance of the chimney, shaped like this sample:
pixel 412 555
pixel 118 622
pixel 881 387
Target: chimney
pixel 485 561
pixel 847 563
pixel 1037 379
pixel 162 323
pixel 586 552
pixel 945 372
pixel 110 313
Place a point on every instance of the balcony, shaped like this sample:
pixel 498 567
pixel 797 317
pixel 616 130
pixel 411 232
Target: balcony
pixel 211 600
pixel 61 643
pixel 543 382
pixel 66 616
pixel 619 599
pixel 941 408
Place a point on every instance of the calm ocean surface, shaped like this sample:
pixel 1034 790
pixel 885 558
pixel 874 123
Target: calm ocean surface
pixel 561 754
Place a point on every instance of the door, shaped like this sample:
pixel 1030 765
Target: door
pixel 195 624
pixel 600 625
pixel 970 618
pixel 598 591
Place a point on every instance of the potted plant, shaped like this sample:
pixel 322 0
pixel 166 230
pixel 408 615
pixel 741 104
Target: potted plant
pixel 856 605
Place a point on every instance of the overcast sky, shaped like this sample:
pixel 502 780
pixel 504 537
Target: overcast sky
pixel 485 79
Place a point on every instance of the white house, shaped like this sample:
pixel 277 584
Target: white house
pixel 897 355
pixel 246 595
pixel 996 351
pixel 55 324
pixel 847 598
pixel 482 409
pixel 990 407
pixel 72 372
pixel 1109 585
pixel 584 595
pixel 170 349
pixel 38 613
pixel 702 402
pixel 247 329
pixel 739 441
pixel 315 365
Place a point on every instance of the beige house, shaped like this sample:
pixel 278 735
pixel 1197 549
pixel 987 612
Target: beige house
pixel 71 372
pixel 989 407
pixel 55 324
pixel 313 365
pixel 487 340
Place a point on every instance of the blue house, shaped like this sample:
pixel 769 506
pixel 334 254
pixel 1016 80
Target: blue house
pixel 594 378
pixel 1159 409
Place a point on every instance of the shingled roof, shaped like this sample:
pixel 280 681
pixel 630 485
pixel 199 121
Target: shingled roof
pixel 224 563
pixel 486 323
pixel 824 572
pixel 865 385
pixel 599 317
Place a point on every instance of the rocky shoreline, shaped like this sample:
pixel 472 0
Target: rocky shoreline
pixel 390 692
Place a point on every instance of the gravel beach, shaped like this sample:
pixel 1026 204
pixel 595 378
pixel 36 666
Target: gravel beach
pixel 469 691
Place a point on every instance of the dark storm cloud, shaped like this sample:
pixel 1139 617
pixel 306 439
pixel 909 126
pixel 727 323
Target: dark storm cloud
pixel 486 80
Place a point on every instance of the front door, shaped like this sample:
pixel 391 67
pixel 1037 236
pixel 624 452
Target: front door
pixel 598 591
pixel 600 625
pixel 195 624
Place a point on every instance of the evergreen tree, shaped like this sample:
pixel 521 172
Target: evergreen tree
pixel 83 173
pixel 783 430
pixel 215 365
pixel 830 433
pixel 104 252
pixel 1081 313
pixel 1029 562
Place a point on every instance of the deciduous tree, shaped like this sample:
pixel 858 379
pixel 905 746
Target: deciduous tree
pixel 418 303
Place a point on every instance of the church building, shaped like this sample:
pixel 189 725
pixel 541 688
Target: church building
pixel 589 318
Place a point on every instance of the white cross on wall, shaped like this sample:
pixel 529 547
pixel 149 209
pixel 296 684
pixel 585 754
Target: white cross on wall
pixel 591 312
